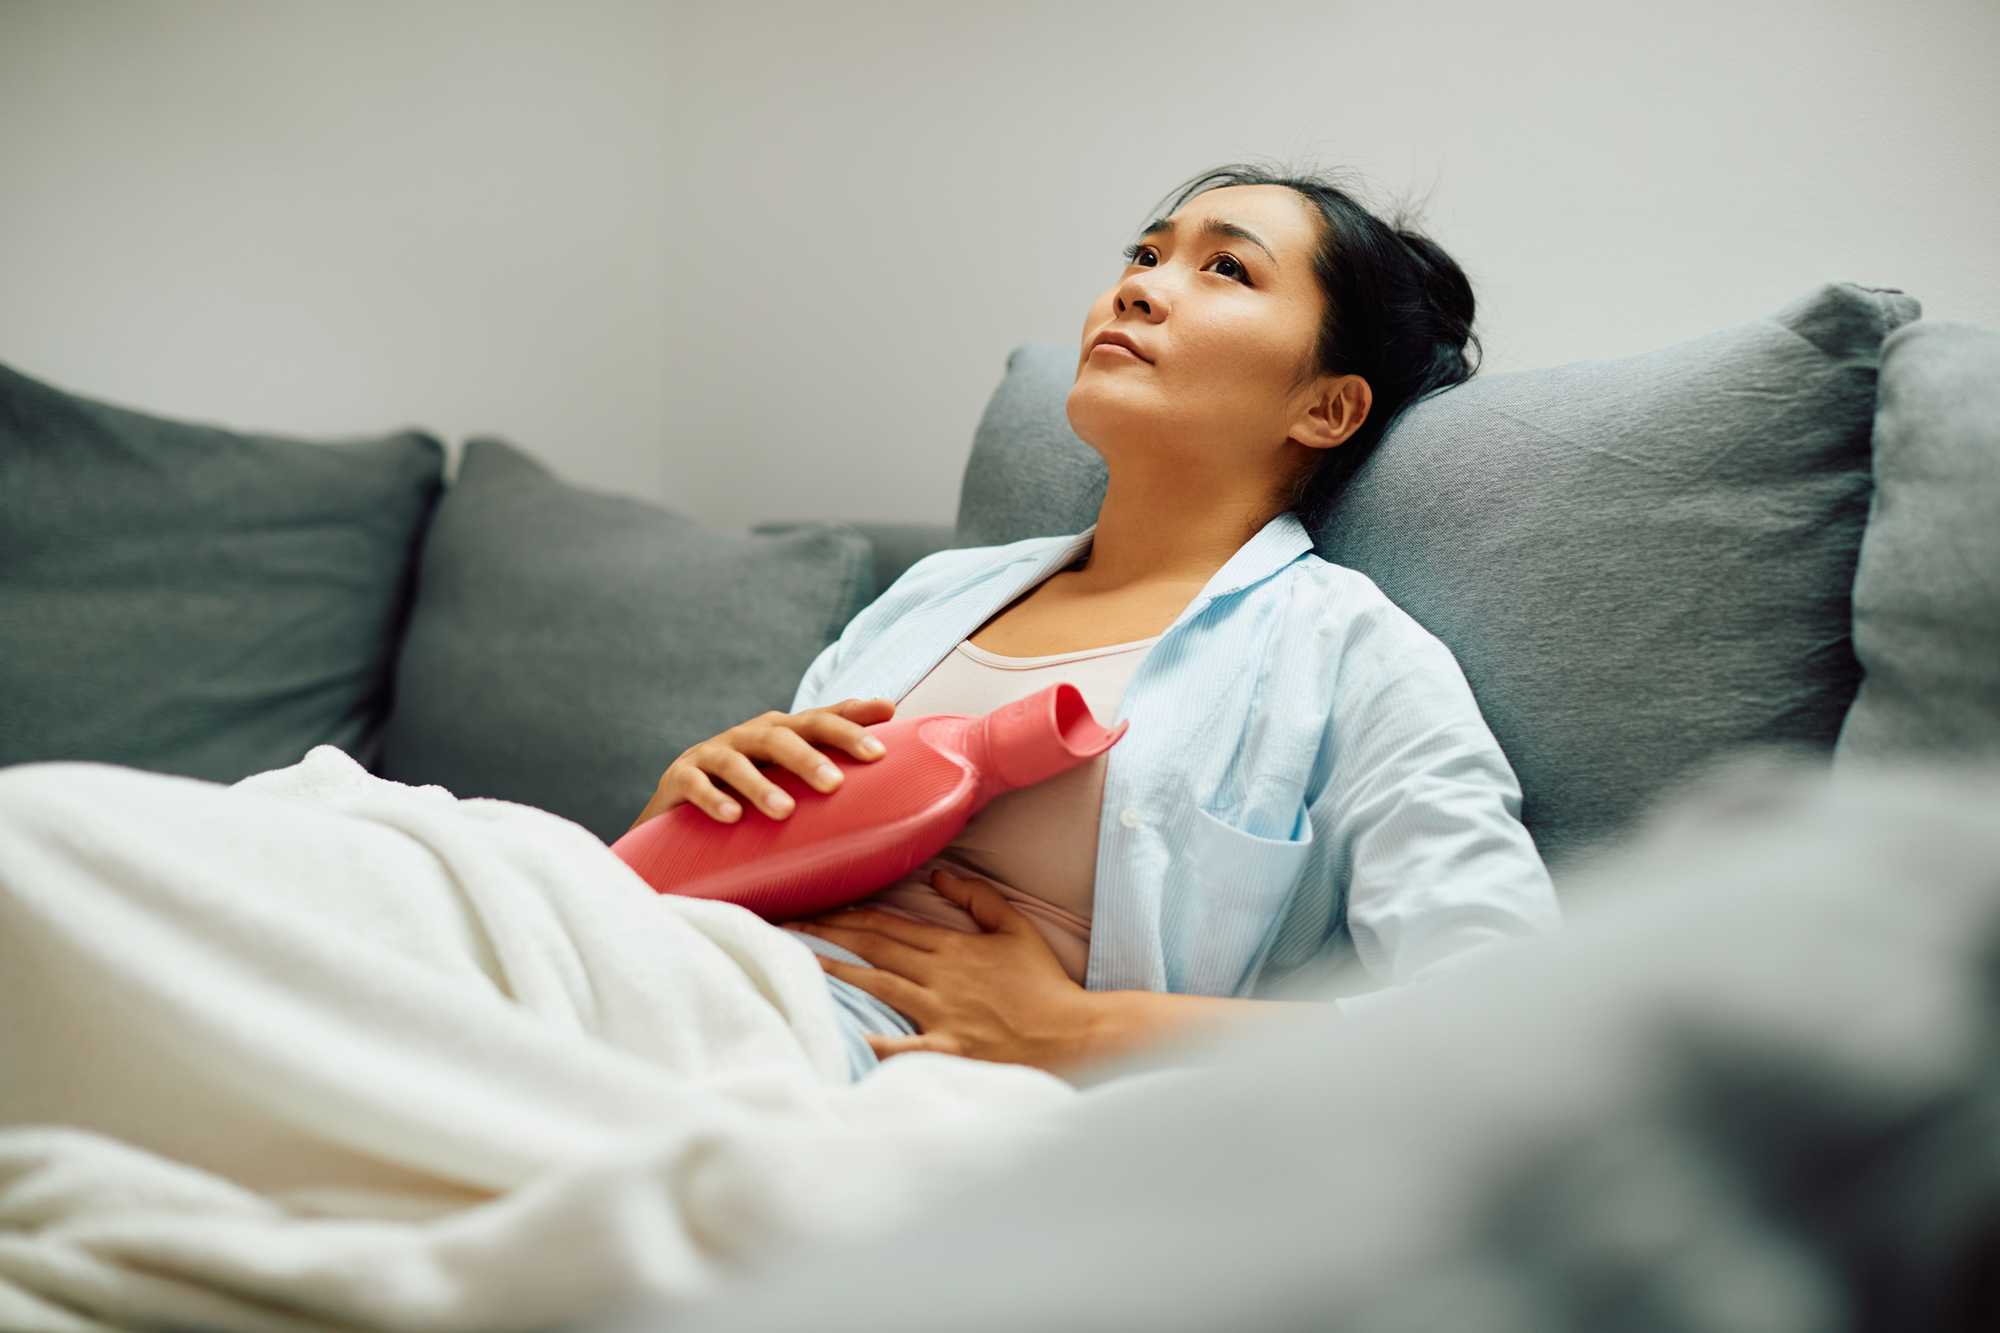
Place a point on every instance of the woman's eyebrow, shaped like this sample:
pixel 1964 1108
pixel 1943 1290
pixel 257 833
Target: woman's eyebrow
pixel 1211 227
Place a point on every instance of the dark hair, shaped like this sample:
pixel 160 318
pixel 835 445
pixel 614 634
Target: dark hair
pixel 1398 313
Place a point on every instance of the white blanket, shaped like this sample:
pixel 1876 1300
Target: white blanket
pixel 320 1050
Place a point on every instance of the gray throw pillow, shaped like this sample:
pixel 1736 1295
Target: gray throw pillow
pixel 1640 562
pixel 194 600
pixel 1927 594
pixel 568 643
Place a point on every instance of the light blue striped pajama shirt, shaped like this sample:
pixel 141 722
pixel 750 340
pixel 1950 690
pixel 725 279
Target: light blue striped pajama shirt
pixel 1307 774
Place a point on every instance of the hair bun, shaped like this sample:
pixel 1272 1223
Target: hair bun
pixel 1420 245
pixel 1443 278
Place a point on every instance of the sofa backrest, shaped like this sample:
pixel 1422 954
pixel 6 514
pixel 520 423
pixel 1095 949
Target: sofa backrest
pixel 566 644
pixel 1641 563
pixel 896 546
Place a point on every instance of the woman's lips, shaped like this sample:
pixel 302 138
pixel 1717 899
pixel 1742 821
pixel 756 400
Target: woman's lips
pixel 1119 348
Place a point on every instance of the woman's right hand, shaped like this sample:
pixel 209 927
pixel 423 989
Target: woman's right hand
pixel 779 738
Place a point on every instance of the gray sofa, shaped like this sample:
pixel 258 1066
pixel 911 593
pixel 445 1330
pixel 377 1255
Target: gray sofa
pixel 1642 564
pixel 1752 1100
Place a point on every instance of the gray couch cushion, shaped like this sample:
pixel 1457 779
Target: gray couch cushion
pixel 188 599
pixel 1639 562
pixel 1927 593
pixel 896 546
pixel 567 643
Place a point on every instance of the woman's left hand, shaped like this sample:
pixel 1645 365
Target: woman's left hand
pixel 1000 994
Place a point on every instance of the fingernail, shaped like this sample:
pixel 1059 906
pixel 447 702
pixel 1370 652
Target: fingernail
pixel 871 746
pixel 779 801
pixel 730 809
pixel 827 773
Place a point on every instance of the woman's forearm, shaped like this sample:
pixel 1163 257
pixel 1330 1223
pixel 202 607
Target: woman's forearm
pixel 1118 1022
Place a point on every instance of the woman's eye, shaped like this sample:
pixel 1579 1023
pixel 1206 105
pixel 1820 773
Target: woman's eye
pixel 1241 274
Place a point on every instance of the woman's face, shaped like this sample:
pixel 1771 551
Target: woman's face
pixel 1224 323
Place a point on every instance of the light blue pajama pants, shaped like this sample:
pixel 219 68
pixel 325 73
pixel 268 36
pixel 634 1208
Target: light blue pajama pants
pixel 859 1012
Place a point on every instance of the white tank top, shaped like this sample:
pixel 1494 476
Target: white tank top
pixel 1037 845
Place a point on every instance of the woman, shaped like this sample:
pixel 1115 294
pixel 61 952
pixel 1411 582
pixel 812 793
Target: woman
pixel 1307 773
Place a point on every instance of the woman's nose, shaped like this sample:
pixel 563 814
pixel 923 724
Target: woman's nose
pixel 1136 293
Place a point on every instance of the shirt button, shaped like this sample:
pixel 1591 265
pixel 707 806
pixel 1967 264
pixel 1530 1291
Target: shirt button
pixel 1130 817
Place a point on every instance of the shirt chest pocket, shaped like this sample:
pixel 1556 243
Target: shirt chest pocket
pixel 1225 896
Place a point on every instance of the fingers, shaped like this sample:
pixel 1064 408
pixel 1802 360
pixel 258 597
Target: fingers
pixel 844 731
pixel 776 738
pixel 666 794
pixel 881 951
pixel 877 923
pixel 736 768
pixel 898 992
pixel 697 789
pixel 885 1047
pixel 981 900
pixel 788 743
pixel 790 749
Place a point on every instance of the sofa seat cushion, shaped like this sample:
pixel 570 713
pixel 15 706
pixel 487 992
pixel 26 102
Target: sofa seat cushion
pixel 189 599
pixel 567 644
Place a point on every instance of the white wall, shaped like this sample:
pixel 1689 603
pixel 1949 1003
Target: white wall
pixel 765 260
pixel 332 217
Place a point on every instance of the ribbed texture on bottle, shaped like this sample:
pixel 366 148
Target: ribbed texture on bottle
pixel 833 848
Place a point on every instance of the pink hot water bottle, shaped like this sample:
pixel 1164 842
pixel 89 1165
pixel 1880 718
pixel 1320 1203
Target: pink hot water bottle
pixel 886 817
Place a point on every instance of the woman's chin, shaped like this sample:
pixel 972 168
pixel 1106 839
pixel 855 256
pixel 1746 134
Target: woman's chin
pixel 1098 415
pixel 1095 386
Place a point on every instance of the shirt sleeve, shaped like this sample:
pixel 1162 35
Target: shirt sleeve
pixel 1421 810
pixel 824 664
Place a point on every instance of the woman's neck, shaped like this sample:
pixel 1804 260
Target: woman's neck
pixel 1133 549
